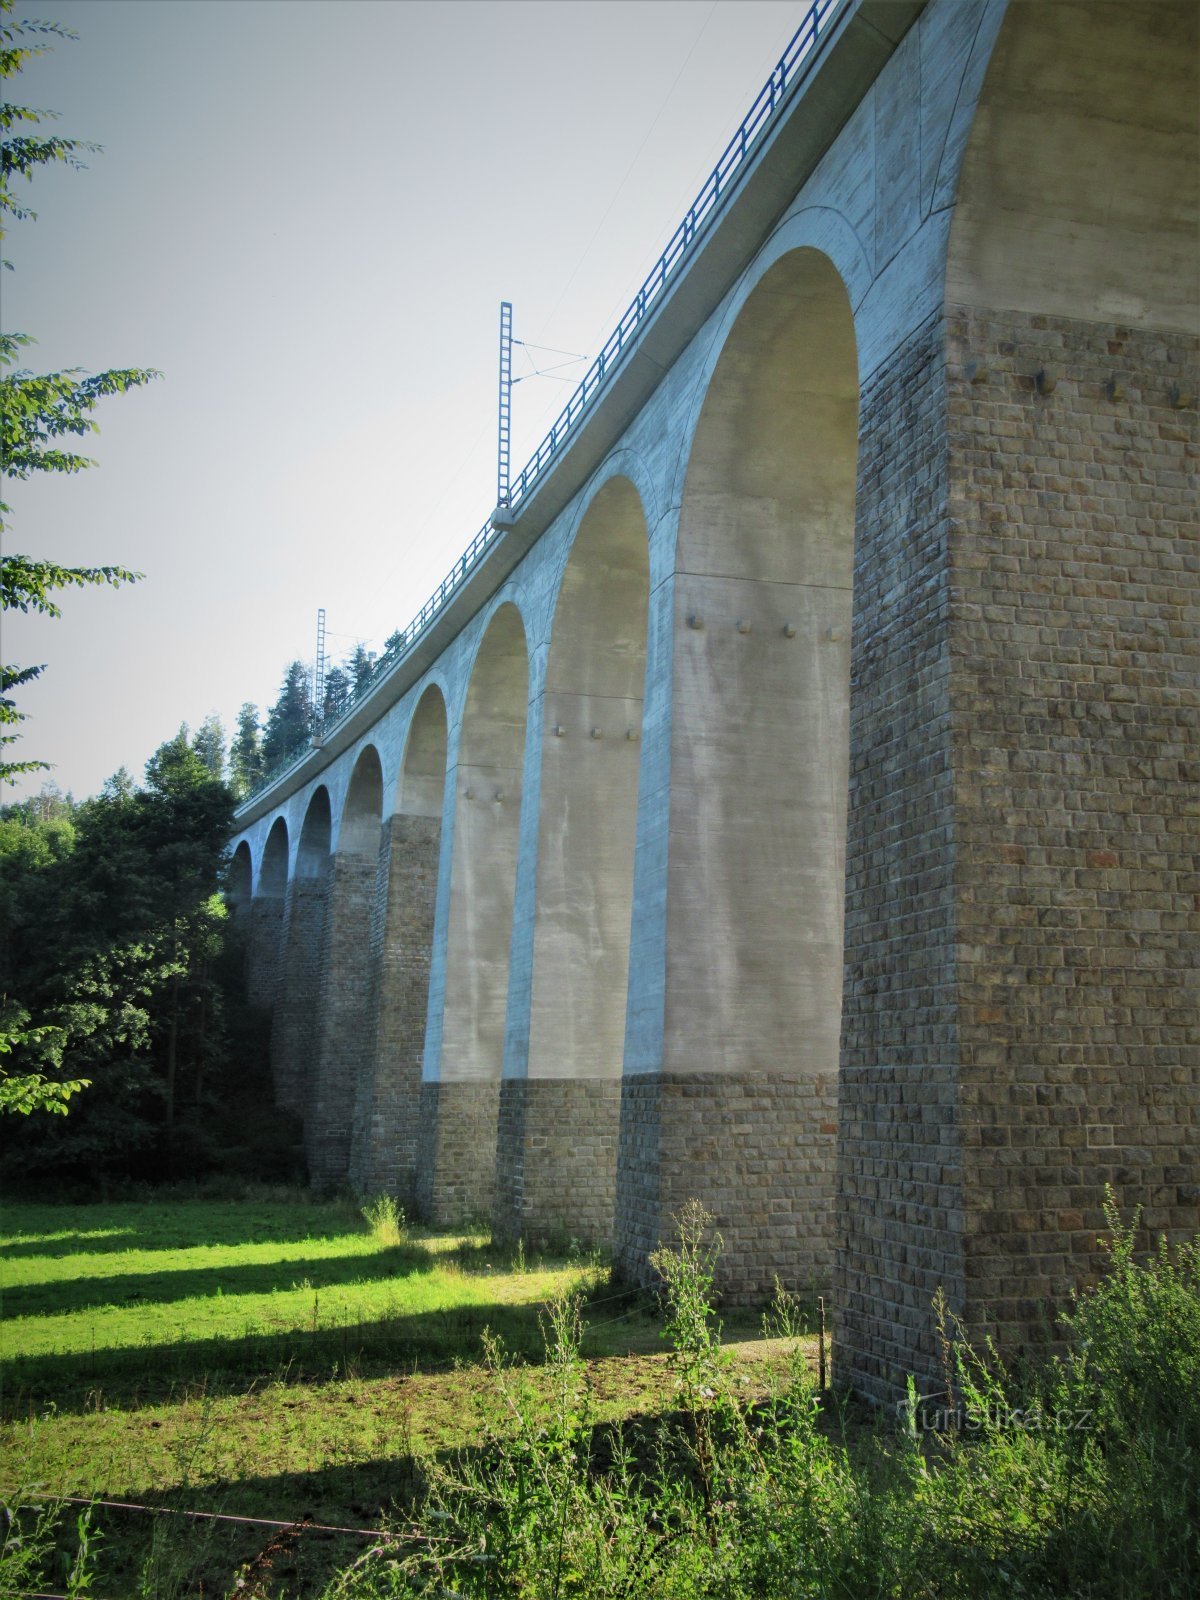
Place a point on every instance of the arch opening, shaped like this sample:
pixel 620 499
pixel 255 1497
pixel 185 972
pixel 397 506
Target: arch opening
pixel 362 812
pixel 316 834
pixel 240 879
pixel 741 1111
pixel 587 824
pixel 422 787
pixel 388 1107
pixel 459 1179
pixel 273 874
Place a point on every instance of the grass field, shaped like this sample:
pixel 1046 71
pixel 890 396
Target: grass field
pixel 271 1358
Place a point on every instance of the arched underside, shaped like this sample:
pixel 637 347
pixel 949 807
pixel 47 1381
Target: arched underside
pixel 387 1115
pixel 459 1115
pixel 240 881
pixel 294 1027
pixel 558 1121
pixel 1008 1052
pixel 742 1111
pixel 264 953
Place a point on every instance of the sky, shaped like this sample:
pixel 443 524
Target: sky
pixel 305 215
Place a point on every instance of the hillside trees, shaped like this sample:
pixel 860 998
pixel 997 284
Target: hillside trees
pixel 121 965
pixel 38 412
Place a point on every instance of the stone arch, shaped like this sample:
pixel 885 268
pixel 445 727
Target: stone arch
pixel 295 1025
pixel 742 1109
pixel 457 1179
pixel 558 1130
pixel 387 1114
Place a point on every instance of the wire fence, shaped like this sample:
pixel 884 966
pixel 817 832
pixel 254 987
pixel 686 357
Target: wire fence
pixel 795 62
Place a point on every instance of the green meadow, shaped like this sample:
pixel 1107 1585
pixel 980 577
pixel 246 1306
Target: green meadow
pixel 276 1399
pixel 271 1357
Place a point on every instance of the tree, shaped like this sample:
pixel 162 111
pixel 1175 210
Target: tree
pixel 209 745
pixel 110 973
pixel 337 692
pixel 362 668
pixel 38 411
pixel 290 719
pixel 245 753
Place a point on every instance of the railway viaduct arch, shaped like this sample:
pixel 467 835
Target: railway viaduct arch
pixel 789 805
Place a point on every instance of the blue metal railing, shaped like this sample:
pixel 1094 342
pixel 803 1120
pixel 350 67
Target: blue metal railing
pixel 794 62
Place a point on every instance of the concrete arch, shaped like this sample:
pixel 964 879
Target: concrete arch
pixel 240 880
pixel 362 810
pixel 388 1103
pixel 316 836
pixel 420 791
pixel 1084 207
pixel 349 975
pixel 273 870
pixel 757 799
pixel 265 950
pixel 551 1177
pixel 460 1114
pixel 295 1025
pixel 819 229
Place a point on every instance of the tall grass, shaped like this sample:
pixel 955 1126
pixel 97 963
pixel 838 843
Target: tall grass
pixel 1081 1478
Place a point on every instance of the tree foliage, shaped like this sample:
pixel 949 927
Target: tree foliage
pixel 245 753
pixel 119 964
pixel 38 412
pixel 290 719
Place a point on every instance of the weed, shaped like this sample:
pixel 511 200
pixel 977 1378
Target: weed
pixel 386 1220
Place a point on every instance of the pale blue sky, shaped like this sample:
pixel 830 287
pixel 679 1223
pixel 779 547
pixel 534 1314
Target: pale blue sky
pixel 306 215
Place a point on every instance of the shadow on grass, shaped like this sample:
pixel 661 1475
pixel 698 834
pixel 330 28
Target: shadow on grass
pixel 161 1288
pixel 171 1225
pixel 148 1374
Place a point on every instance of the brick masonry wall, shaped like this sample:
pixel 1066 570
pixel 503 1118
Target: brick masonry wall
pixel 899 1206
pixel 556 1159
pixel 344 1039
pixel 1020 867
pixel 456 1166
pixel 264 949
pixel 1073 710
pixel 757 1152
pixel 294 1025
pixel 387 1117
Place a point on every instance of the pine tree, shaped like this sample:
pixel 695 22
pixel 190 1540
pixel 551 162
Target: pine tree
pixel 361 667
pixel 337 693
pixel 209 745
pixel 290 719
pixel 245 753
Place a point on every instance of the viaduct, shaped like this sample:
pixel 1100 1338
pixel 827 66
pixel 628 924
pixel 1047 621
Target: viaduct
pixel 790 799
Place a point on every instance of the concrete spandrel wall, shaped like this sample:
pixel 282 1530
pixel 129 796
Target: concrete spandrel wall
pixel 761 653
pixel 487 806
pixel 1080 188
